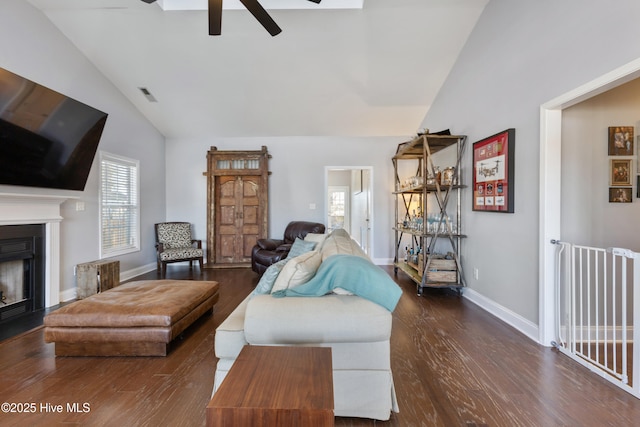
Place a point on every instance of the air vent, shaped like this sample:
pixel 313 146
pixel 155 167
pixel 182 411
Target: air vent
pixel 147 94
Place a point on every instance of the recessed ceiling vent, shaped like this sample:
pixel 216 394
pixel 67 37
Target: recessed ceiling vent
pixel 147 94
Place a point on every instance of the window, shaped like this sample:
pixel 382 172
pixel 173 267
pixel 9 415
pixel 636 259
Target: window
pixel 119 205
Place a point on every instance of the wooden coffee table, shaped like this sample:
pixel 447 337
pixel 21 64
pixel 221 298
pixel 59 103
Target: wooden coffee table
pixel 276 386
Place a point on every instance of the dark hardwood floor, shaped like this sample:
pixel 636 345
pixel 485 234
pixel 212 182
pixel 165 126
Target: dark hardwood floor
pixel 453 365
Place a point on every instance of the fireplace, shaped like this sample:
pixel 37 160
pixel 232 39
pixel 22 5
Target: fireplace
pixel 22 272
pixel 39 256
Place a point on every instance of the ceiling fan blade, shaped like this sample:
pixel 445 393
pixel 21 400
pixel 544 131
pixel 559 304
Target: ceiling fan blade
pixel 316 1
pixel 262 16
pixel 215 17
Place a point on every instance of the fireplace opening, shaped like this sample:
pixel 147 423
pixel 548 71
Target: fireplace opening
pixel 22 265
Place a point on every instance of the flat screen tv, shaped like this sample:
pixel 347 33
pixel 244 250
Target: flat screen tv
pixel 46 138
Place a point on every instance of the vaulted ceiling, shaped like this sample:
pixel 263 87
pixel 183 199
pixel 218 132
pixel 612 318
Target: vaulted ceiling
pixel 370 71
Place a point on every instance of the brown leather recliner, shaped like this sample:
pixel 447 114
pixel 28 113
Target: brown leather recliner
pixel 270 251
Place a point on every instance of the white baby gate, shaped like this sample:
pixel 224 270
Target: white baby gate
pixel 596 310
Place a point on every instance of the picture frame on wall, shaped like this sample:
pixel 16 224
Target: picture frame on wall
pixel 493 173
pixel 621 141
pixel 620 195
pixel 638 156
pixel 620 172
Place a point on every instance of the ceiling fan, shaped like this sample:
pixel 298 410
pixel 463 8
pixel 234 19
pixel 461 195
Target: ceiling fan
pixel 215 16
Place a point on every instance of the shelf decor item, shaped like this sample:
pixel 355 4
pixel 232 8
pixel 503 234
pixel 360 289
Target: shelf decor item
pixel 621 141
pixel 493 172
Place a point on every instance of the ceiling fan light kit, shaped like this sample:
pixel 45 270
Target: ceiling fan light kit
pixel 253 6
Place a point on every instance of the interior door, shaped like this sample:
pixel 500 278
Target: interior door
pixel 361 209
pixel 238 218
pixel 249 228
pixel 226 219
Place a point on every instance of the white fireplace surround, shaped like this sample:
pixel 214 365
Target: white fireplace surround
pixel 18 209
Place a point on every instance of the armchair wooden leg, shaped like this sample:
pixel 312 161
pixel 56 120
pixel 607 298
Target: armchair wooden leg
pixel 200 263
pixel 164 270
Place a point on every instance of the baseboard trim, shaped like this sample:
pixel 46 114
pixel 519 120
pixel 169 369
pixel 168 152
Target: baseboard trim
pixel 71 294
pixel 514 320
pixel 68 294
pixel 134 272
pixel 528 328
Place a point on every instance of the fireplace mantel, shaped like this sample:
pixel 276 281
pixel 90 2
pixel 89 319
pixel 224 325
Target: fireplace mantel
pixel 18 209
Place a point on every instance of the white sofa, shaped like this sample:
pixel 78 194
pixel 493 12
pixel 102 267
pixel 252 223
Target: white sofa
pixel 358 331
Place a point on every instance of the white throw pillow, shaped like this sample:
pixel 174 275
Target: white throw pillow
pixel 339 242
pixel 298 270
pixel 316 237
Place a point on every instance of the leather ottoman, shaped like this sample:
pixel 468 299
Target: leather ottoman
pixel 135 319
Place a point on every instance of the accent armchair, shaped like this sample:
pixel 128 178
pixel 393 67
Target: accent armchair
pixel 175 244
pixel 270 251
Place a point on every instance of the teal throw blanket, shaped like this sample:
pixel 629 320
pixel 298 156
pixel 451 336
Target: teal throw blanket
pixel 352 273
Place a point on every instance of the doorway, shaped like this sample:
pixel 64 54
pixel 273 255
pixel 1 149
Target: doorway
pixel 339 204
pixel 550 195
pixel 348 201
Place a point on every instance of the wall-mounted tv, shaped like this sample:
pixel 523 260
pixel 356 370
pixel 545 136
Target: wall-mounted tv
pixel 46 138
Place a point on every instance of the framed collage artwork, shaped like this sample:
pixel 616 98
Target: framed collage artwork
pixel 493 173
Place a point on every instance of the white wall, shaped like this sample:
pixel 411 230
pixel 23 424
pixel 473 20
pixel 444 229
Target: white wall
pixel 32 47
pixel 297 179
pixel 587 216
pixel 520 55
pixel 339 177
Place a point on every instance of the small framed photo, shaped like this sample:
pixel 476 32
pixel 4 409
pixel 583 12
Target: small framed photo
pixel 620 195
pixel 620 172
pixel 621 141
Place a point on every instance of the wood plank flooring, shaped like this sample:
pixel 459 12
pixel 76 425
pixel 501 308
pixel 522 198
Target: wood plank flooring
pixel 453 365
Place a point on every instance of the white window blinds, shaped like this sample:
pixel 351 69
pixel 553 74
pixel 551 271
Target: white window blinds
pixel 119 205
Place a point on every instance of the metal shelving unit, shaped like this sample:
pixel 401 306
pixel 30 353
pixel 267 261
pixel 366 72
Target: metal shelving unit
pixel 430 270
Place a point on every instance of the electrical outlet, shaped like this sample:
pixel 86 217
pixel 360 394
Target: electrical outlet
pixel 312 206
pixel 475 273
